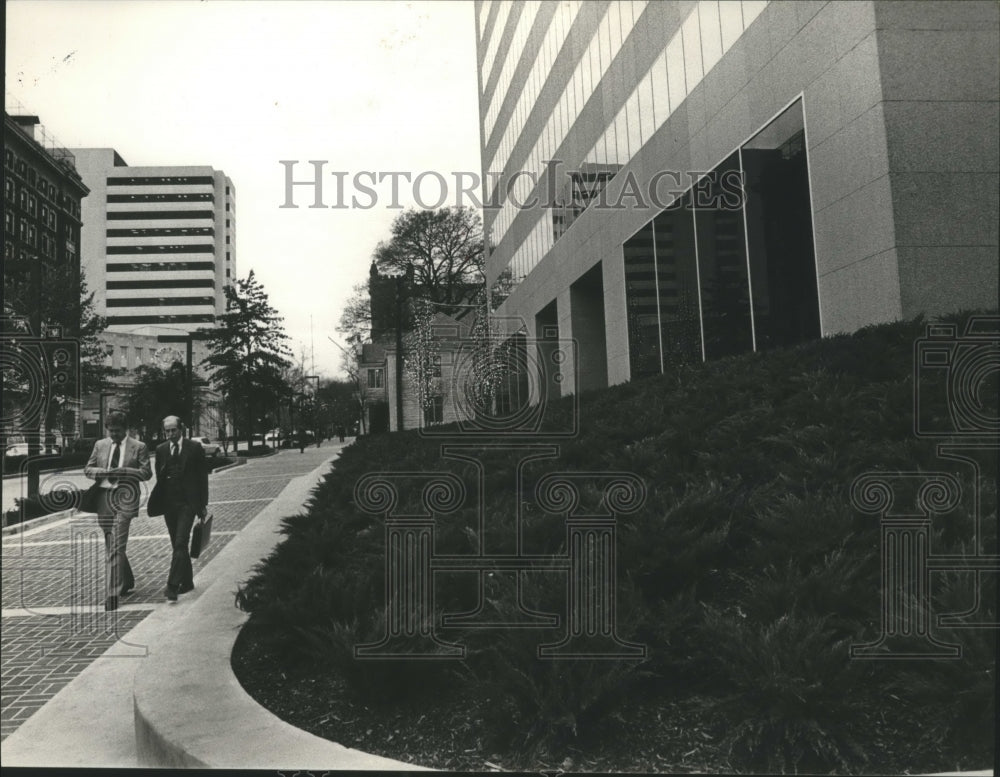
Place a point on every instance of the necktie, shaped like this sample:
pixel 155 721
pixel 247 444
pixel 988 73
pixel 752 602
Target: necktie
pixel 116 456
pixel 174 451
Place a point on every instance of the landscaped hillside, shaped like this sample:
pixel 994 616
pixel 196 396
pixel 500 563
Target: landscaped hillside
pixel 747 573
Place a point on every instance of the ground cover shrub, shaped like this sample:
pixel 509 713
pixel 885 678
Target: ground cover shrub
pixel 748 573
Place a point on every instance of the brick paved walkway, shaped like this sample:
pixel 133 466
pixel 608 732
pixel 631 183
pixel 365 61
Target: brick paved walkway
pixel 54 623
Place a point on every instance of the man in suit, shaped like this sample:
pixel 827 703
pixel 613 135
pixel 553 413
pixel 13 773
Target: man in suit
pixel 180 495
pixel 117 464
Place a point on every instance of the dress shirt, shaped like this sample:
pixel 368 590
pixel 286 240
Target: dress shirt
pixel 107 482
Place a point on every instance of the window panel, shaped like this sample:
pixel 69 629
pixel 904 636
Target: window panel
pixel 628 21
pixel 633 124
pixel 782 261
pixel 751 10
pixel 677 286
pixel 675 72
pixel 731 22
pixel 616 29
pixel 722 265
pixel 660 91
pixel 642 316
pixel 647 120
pixel 692 50
pixel 711 33
pixel 621 136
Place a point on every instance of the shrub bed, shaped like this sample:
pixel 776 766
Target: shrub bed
pixel 747 574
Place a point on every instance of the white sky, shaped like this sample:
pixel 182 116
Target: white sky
pixel 381 86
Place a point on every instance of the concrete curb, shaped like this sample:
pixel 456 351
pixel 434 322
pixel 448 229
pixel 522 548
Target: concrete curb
pixel 239 463
pixel 34 523
pixel 191 711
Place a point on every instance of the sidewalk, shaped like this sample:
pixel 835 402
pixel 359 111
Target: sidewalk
pixel 71 671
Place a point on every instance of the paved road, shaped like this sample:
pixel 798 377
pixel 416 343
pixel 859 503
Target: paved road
pixel 54 624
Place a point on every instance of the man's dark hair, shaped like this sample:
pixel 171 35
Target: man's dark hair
pixel 116 418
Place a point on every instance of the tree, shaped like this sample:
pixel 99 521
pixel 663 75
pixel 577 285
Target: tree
pixel 338 397
pixel 443 247
pixel 248 352
pixel 356 318
pixel 422 354
pixel 157 393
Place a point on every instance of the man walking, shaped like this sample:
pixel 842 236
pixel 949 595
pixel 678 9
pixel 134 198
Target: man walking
pixel 117 464
pixel 180 494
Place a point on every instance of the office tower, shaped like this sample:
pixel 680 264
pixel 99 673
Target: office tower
pixel 159 243
pixel 676 181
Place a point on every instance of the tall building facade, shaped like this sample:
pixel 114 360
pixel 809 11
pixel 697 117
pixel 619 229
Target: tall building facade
pixel 676 181
pixel 159 243
pixel 42 206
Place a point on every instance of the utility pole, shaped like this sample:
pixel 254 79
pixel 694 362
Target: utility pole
pixel 35 423
pixel 399 352
pixel 188 339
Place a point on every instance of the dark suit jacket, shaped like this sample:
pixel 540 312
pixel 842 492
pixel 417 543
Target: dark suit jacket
pixel 194 477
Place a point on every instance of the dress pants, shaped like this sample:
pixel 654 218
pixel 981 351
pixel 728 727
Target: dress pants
pixel 115 525
pixel 179 518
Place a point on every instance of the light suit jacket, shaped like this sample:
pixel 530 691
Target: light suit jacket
pixel 134 460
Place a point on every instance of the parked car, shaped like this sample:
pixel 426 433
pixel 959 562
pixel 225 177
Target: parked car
pixel 211 449
pixel 21 449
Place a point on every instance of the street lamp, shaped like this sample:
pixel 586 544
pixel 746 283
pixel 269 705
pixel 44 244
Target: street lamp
pixel 100 411
pixel 188 339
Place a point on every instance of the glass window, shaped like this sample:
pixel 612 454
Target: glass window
pixel 677 285
pixel 647 119
pixel 711 33
pixel 634 129
pixel 675 72
pixel 605 37
pixel 616 29
pixel 375 378
pixel 642 316
pixel 722 264
pixel 779 233
pixel 621 137
pixel 751 10
pixel 731 21
pixel 692 50
pixel 628 21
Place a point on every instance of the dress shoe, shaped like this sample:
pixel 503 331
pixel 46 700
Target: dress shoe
pixel 171 593
pixel 185 588
pixel 111 603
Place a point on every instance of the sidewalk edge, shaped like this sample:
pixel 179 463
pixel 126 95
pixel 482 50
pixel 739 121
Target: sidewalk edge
pixel 191 711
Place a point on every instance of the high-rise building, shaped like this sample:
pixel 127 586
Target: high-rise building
pixel 42 196
pixel 159 243
pixel 673 181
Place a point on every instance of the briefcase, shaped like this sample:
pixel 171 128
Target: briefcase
pixel 88 502
pixel 201 534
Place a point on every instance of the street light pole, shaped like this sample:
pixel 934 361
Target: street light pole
pixel 188 339
pixel 100 411
pixel 399 352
